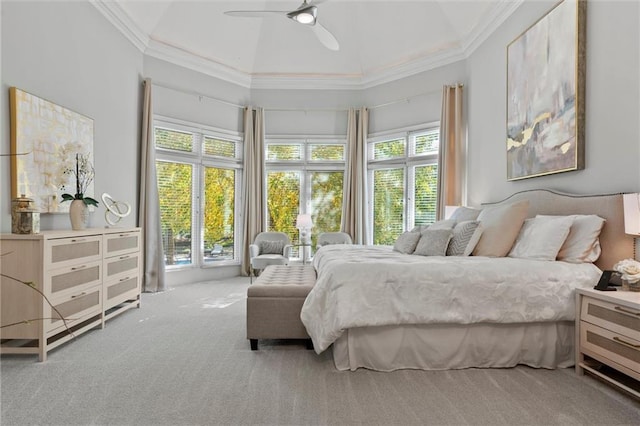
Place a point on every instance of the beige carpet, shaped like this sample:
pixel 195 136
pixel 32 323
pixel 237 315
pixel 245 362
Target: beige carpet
pixel 182 359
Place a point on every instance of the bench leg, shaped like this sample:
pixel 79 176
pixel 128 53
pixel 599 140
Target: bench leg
pixel 310 344
pixel 254 344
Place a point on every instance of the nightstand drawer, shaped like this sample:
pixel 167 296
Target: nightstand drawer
pixel 605 346
pixel 617 318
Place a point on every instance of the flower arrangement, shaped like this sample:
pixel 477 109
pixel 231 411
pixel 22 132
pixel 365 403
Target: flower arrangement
pixel 629 269
pixel 84 174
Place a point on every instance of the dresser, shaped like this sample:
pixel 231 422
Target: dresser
pixel 78 280
pixel 608 337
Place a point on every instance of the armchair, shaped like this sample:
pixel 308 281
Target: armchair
pixel 269 248
pixel 327 238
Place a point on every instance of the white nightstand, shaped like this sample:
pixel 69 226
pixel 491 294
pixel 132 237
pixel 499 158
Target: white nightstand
pixel 608 335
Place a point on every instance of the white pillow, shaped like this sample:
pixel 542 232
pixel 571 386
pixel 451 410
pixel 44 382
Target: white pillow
pixel 465 237
pixel 582 245
pixel 406 242
pixel 434 242
pixel 541 238
pixel 500 227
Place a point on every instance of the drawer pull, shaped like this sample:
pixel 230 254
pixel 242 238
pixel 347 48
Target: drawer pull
pixel 79 295
pixel 124 257
pixel 124 235
pixel 627 311
pixel 617 339
pixel 76 268
pixel 78 240
pixel 124 279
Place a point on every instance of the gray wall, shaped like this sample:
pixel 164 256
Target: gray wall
pixel 69 54
pixel 612 106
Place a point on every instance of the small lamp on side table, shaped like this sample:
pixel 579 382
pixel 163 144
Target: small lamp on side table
pixel 632 217
pixel 304 224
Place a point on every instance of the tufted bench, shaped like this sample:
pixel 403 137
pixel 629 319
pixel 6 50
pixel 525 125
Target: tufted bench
pixel 274 301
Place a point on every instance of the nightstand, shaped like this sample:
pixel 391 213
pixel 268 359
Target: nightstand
pixel 608 337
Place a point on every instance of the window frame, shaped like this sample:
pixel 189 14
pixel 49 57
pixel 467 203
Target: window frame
pixel 408 163
pixel 199 162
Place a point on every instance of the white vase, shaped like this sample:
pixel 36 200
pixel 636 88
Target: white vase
pixel 79 214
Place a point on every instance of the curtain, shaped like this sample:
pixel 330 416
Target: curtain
pixel 149 203
pixel 452 150
pixel 254 201
pixel 354 205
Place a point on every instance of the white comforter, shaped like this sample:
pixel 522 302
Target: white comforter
pixel 372 285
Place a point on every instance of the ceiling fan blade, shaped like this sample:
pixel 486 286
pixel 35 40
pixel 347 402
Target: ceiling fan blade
pixel 325 37
pixel 254 13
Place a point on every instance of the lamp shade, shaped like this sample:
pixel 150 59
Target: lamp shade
pixel 304 221
pixel 631 213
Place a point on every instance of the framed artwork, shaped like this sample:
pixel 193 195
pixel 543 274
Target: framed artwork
pixel 545 94
pixel 45 139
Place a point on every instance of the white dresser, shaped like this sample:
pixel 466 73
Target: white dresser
pixel 89 276
pixel 608 336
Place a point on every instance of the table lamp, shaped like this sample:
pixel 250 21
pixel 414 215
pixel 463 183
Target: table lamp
pixel 304 224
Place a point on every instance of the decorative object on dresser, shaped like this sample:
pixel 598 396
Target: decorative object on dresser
pixel 608 337
pixel 89 276
pixel 45 137
pixel 545 94
pixel 24 218
pixel 79 211
pixel 116 210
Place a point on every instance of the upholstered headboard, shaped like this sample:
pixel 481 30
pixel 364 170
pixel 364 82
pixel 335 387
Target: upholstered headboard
pixel 616 245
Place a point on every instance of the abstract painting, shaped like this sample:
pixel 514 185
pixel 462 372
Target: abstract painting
pixel 45 139
pixel 545 94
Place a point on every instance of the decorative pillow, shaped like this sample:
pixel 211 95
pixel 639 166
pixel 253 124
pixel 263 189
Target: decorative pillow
pixel 406 242
pixel 434 242
pixel 464 239
pixel 500 227
pixel 541 238
pixel 582 245
pixel 271 247
pixel 463 214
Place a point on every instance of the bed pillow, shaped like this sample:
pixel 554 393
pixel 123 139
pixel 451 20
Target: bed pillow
pixel 441 224
pixel 541 238
pixel 434 242
pixel 500 227
pixel 463 214
pixel 464 238
pixel 271 247
pixel 582 245
pixel 406 242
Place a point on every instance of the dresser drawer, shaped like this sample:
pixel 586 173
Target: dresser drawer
pixel 617 318
pixel 121 243
pixel 74 309
pixel 63 282
pixel 121 290
pixel 63 252
pixel 611 348
pixel 121 266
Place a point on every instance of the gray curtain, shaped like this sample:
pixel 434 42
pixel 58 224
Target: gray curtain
pixel 354 205
pixel 254 202
pixel 452 150
pixel 149 203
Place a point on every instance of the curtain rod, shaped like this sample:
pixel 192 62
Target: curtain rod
pixel 199 95
pixel 407 99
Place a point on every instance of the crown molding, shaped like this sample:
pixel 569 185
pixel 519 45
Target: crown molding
pixel 114 13
pixel 119 19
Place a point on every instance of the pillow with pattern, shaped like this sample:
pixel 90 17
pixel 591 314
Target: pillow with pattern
pixel 465 237
pixel 271 247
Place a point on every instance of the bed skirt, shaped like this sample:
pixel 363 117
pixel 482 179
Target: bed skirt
pixel 445 347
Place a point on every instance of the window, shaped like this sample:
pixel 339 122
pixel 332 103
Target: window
pixel 199 172
pixel 304 176
pixel 403 176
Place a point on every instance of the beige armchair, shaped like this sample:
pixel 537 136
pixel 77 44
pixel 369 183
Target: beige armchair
pixel 269 248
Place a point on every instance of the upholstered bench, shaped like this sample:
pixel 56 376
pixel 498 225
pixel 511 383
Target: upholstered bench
pixel 274 301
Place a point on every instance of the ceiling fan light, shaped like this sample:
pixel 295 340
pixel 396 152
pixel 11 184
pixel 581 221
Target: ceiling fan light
pixel 305 14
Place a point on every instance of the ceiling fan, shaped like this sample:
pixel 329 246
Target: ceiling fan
pixel 305 14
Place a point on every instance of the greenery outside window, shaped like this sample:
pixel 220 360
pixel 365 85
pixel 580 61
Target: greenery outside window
pixel 304 176
pixel 199 172
pixel 403 182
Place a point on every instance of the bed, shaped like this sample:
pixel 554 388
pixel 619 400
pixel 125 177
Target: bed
pixel 383 310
